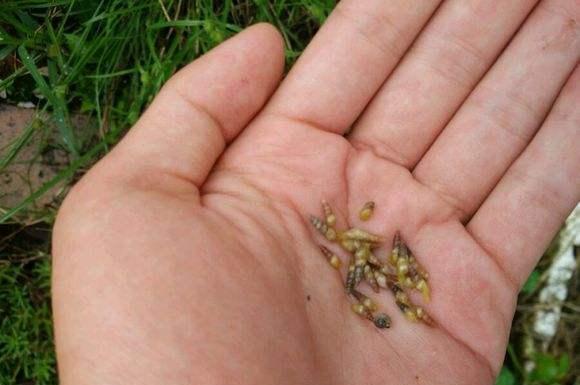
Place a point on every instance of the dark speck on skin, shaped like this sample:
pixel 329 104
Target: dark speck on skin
pixel 308 297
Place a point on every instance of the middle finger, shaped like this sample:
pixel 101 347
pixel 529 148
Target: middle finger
pixel 436 75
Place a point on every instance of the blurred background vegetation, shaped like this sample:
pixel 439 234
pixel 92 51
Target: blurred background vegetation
pixel 84 70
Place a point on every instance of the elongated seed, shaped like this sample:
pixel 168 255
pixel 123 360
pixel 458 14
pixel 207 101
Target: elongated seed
pixel 394 257
pixel 329 216
pixel 361 235
pixel 331 257
pixel 381 279
pixel 319 225
pixel 358 274
pixel 349 284
pixel 370 278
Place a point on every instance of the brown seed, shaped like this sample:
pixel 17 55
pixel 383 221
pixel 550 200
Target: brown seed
pixel 350 278
pixel 382 321
pixel 394 257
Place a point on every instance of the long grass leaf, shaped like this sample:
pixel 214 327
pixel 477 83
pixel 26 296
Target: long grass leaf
pixel 58 104
pixel 60 177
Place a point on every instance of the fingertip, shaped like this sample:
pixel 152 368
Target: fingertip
pixel 206 104
pixel 271 35
pixel 269 43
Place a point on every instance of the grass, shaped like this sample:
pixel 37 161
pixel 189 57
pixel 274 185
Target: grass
pixel 106 60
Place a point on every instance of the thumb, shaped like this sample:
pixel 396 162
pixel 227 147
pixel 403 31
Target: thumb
pixel 203 107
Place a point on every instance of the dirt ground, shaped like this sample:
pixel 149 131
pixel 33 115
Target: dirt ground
pixel 36 163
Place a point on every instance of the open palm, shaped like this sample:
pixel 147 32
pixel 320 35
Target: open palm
pixel 175 267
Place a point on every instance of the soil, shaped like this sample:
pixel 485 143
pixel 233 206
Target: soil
pixel 36 163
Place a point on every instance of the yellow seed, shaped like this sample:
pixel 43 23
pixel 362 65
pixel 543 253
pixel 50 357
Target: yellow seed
pixel 358 308
pixel 331 257
pixel 396 249
pixel 362 235
pixel 367 211
pixel 418 268
pixel 420 312
pixel 370 305
pixel 381 279
pixel 329 216
pixel 402 267
pixel 401 279
pixel 385 270
pixel 330 234
pixel 402 297
pixel 393 258
pixel 410 315
pixel 360 262
pixel 331 220
pixel 424 289
pixel 348 245
pixel 408 282
pixel 423 316
pixel 335 262
pixel 362 254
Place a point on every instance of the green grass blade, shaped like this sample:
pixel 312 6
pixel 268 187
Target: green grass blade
pixel 60 177
pixel 14 148
pixel 58 104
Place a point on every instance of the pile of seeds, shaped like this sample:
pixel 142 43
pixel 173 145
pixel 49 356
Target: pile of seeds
pixel 400 272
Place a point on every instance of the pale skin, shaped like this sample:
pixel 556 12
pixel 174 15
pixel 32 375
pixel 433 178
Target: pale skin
pixel 185 255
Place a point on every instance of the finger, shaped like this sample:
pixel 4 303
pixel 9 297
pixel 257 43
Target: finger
pixel 348 60
pixel 503 113
pixel 528 206
pixel 204 106
pixel 436 75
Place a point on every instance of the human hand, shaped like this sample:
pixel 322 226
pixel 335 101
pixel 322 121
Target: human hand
pixel 185 255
